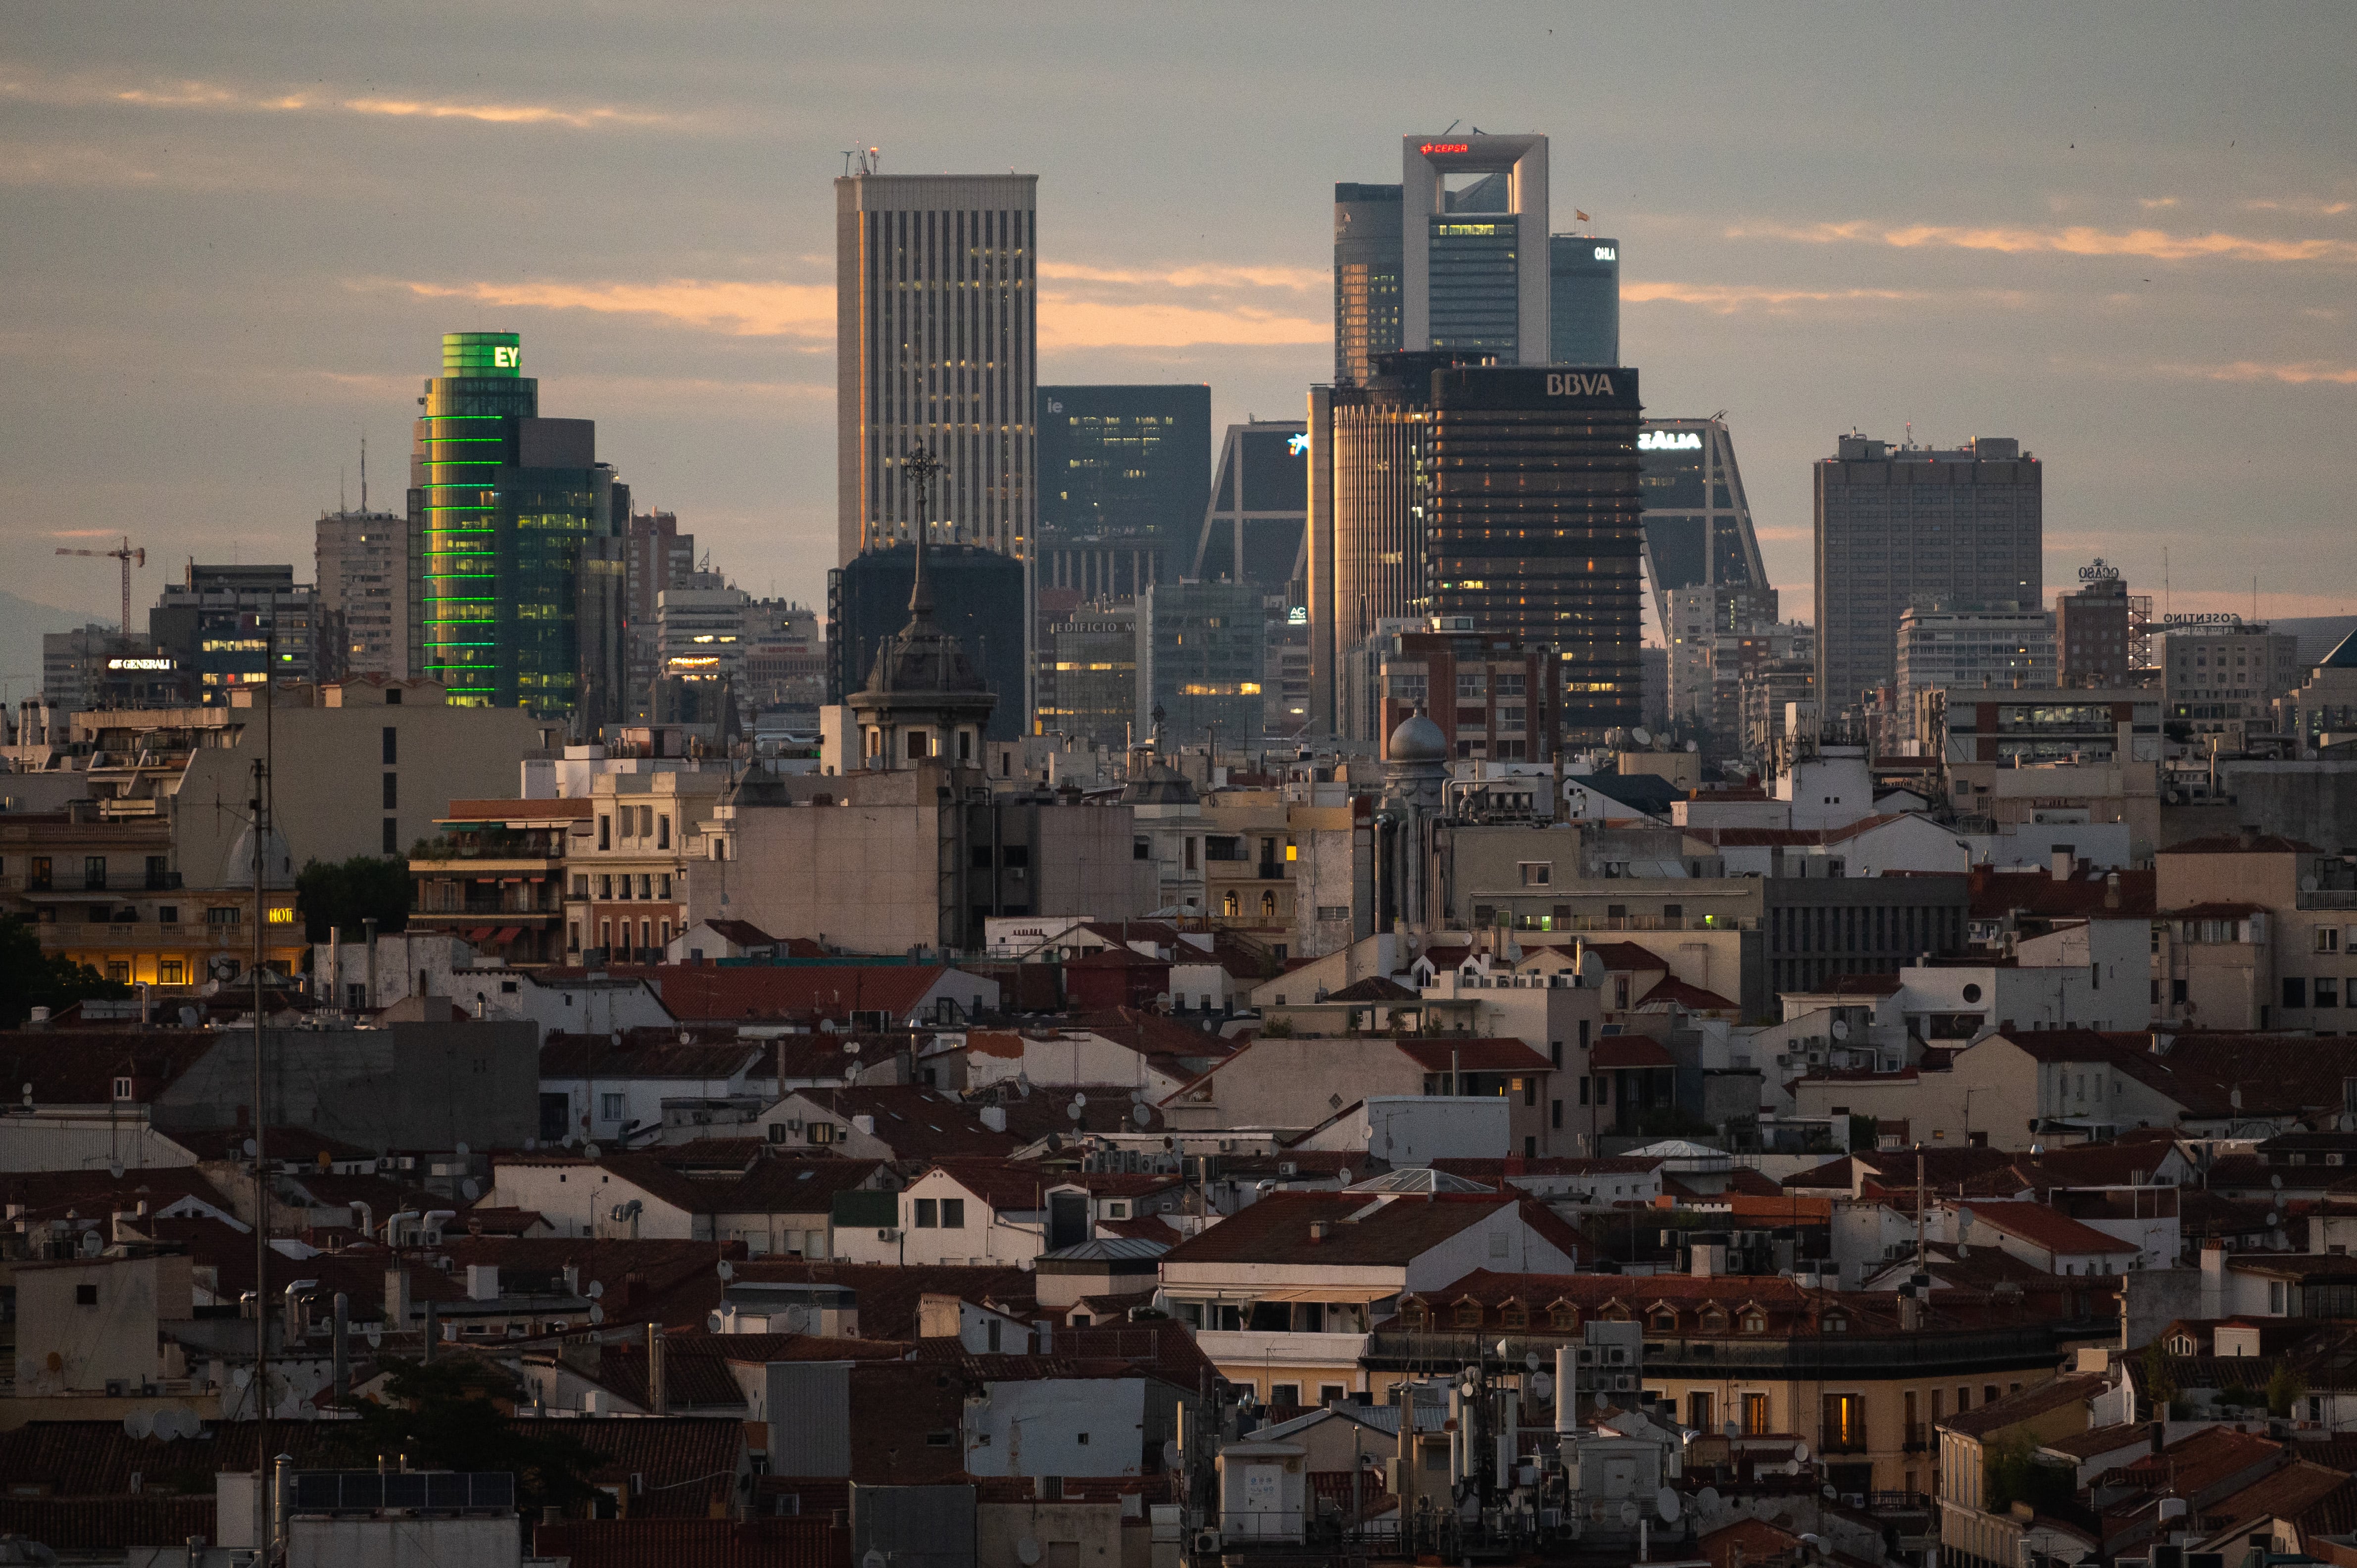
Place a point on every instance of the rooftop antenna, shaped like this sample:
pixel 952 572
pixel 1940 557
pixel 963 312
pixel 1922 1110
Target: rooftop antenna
pixel 364 470
pixel 849 154
pixel 1453 124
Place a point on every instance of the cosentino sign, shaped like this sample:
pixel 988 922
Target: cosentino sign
pixel 1536 387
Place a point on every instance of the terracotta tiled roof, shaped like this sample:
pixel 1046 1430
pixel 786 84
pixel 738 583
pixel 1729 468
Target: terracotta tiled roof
pixel 2032 1401
pixel 808 1540
pixel 1276 1229
pixel 1626 957
pixel 1693 998
pixel 2043 1227
pixel 96 1524
pixel 889 1294
pixel 1435 1054
pixel 794 1187
pixel 1629 1051
pixel 79 1066
pixel 95 1193
pixel 2231 843
pixel 576 1055
pixel 731 993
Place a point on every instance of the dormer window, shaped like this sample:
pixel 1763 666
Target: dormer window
pixel 1713 1320
pixel 2180 1345
pixel 121 1089
pixel 1664 1320
pixel 1754 1322
pixel 1564 1316
pixel 1833 1323
pixel 1415 1314
pixel 1513 1314
pixel 1468 1314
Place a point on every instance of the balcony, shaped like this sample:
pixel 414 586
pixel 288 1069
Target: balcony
pixel 1261 1348
pixel 1918 1437
pixel 1854 1441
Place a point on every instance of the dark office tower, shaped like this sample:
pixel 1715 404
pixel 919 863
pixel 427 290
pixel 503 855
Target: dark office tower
pixel 1202 657
pixel 2095 642
pixel 222 627
pixel 1473 246
pixel 1366 277
pixel 1698 528
pixel 1252 532
pixel 502 503
pixel 976 592
pixel 1896 526
pixel 1504 498
pixel 1584 300
pixel 1125 475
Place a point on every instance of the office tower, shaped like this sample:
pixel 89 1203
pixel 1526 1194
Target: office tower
pixel 501 505
pixel 935 347
pixel 1698 530
pixel 1505 494
pixel 2221 675
pixel 1583 300
pixel 361 560
pixel 1125 477
pixel 1088 685
pixel 1202 655
pixel 1942 649
pixel 785 655
pixel 1260 495
pixel 2099 631
pixel 976 595
pixel 1704 627
pixel 96 666
pixel 1366 277
pixel 1473 246
pixel 223 624
pixel 1493 698
pixel 1903 525
pixel 700 628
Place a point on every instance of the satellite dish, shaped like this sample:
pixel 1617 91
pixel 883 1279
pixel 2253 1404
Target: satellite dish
pixel 1141 1114
pixel 727 1270
pixel 1628 1513
pixel 2275 1182
pixel 1530 1361
pixel 1073 1111
pixel 2307 884
pixel 249 1148
pixel 1542 1385
pixel 1694 746
pixel 1603 1399
pixel 597 1313
pixel 873 1559
pixel 1137 1096
pixel 1171 1455
pixel 1800 1452
pixel 529 1144
pixel 1666 1504
pixel 1841 1029
pixel 1707 1501
pixel 1963 1252
pixel 241 1376
pixel 1732 1430
pixel 596 1288
pixel 139 1424
pixel 374 1334
pixel 1642 736
pixel 1079 1099
pixel 92 1244
pixel 1027 1552
pixel 1831 1491
pixel 851 1047
pixel 470 1189
pixel 460 1150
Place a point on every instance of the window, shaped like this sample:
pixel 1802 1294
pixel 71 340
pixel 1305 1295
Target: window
pixel 1563 1316
pixel 1698 1410
pixel 928 1214
pixel 954 1214
pixel 1555 1115
pixel 1513 1314
pixel 1536 872
pixel 610 1108
pixel 663 832
pixel 1415 1314
pixel 93 871
pixel 1141 849
pixel 1468 1314
pixel 2327 992
pixel 391 745
pixel 391 830
pixel 2295 991
pixel 1284 1393
pixel 85 1295
pixel 646 821
pixel 820 1132
pixel 1845 1423
pixel 171 971
pixel 2328 939
pixel 1664 1320
pixel 393 791
pixel 604 832
pixel 1755 1416
pixel 222 915
pixel 121 1089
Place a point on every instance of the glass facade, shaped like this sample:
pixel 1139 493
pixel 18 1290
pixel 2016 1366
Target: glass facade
pixel 1583 300
pixel 1698 530
pixel 1260 501
pixel 1202 654
pixel 1366 277
pixel 1090 688
pixel 504 503
pixel 1475 283
pixel 1125 475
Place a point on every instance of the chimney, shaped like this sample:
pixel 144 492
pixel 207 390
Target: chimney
pixel 396 1299
pixel 2063 859
pixel 2213 1278
pixel 993 1117
pixel 482 1282
pixel 2111 890
pixel 1320 1229
pixel 2159 1436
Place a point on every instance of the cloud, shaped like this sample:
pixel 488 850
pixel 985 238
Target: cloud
pixel 1725 299
pixel 2146 244
pixel 1091 317
pixel 2297 372
pixel 86 93
pixel 2149 202
pixel 82 533
pixel 2315 206
pixel 1193 277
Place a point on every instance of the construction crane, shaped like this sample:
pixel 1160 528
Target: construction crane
pixel 128 557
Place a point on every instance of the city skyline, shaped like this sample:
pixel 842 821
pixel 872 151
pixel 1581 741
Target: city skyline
pixel 2151 287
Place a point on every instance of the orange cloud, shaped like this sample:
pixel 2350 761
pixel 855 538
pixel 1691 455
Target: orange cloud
pixel 2146 244
pixel 2297 372
pixel 1725 299
pixel 72 93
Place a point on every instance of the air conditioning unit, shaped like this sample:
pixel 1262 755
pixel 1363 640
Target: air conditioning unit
pixel 1622 1382
pixel 1587 1355
pixel 1287 1167
pixel 888 1234
pixel 1207 1542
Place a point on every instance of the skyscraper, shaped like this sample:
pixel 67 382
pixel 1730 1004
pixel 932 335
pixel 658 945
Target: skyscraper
pixel 1505 497
pixel 1899 526
pixel 362 559
pixel 1366 277
pixel 1583 300
pixel 503 507
pixel 225 626
pixel 1125 475
pixel 1698 531
pixel 936 334
pixel 1202 657
pixel 1252 531
pixel 1473 246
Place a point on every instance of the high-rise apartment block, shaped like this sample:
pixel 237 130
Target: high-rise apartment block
pixel 1940 650
pixel 655 556
pixel 1899 526
pixel 1583 299
pixel 2100 630
pixel 362 559
pixel 504 509
pixel 700 628
pixel 785 655
pixel 1495 699
pixel 1125 477
pixel 227 626
pixel 1366 277
pixel 95 666
pixel 1505 494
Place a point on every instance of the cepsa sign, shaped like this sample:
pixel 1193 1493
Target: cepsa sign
pixel 1431 147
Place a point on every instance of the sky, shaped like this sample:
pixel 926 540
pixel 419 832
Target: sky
pixel 231 237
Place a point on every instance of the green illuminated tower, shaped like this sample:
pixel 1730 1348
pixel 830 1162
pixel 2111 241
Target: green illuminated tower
pixel 509 516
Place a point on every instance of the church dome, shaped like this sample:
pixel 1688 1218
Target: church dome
pixel 1417 739
pixel 921 658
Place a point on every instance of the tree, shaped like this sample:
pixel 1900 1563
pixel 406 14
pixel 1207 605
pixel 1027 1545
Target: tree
pixel 447 1416
pixel 30 978
pixel 340 895
pixel 2160 1381
pixel 2286 1389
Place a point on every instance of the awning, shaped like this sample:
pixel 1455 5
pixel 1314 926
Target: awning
pixel 1362 1295
pixel 506 934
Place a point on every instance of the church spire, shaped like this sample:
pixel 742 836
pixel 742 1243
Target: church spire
pixel 920 465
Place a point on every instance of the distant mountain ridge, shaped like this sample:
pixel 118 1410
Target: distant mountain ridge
pixel 22 623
